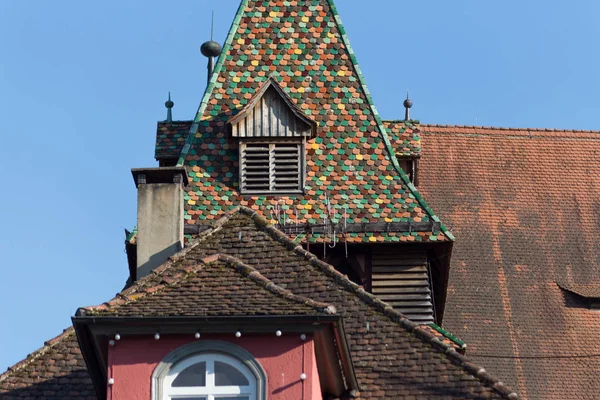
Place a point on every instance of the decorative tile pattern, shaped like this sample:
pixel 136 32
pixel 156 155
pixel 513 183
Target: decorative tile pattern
pixel 405 137
pixel 302 44
pixel 170 138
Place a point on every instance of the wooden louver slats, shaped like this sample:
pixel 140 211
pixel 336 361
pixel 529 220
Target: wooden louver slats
pixel 402 280
pixel 274 167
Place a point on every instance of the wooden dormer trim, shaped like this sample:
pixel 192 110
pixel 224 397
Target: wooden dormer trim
pixel 271 113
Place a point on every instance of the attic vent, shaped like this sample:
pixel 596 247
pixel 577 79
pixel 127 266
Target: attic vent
pixel 271 167
pixel 402 280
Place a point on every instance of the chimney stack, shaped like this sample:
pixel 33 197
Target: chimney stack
pixel 160 216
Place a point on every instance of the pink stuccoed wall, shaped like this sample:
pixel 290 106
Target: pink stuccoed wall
pixel 132 361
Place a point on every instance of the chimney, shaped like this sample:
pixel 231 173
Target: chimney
pixel 160 216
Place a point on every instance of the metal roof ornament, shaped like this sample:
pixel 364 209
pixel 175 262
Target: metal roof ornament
pixel 169 104
pixel 407 105
pixel 211 49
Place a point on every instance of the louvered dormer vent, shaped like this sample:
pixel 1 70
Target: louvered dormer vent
pixel 271 167
pixel 272 133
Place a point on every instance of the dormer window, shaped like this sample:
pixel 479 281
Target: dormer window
pixel 410 166
pixel 272 133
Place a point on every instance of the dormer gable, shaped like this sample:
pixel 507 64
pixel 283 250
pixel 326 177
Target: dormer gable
pixel 271 113
pixel 272 133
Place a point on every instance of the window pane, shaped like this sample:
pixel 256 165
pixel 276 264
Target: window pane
pixel 191 376
pixel 190 398
pixel 226 375
pixel 233 398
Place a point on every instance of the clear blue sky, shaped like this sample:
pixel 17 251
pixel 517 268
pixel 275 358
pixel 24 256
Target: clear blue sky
pixel 82 85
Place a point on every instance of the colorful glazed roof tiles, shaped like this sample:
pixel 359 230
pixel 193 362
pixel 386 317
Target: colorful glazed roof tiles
pixel 405 137
pixel 351 161
pixel 170 138
pixel 524 205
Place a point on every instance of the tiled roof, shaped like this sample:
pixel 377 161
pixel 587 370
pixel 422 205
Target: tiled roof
pixel 170 138
pixel 393 357
pixel 56 371
pixel 587 290
pixel 524 205
pixel 219 285
pixel 352 159
pixel 405 137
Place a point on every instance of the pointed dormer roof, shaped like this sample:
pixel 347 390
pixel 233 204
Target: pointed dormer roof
pixel 272 103
pixel 303 46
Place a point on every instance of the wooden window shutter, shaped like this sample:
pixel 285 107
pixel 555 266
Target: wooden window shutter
pixel 401 279
pixel 274 167
pixel 255 167
pixel 285 167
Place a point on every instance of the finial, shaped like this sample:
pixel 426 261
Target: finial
pixel 211 49
pixel 407 105
pixel 169 104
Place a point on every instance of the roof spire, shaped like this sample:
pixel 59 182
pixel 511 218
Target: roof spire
pixel 211 49
pixel 407 105
pixel 169 104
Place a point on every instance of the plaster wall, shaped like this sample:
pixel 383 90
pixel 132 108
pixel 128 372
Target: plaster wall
pixel 160 224
pixel 133 360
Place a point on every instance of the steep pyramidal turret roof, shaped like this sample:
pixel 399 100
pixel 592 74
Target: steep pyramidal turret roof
pixel 352 161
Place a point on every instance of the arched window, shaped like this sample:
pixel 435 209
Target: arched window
pixel 209 370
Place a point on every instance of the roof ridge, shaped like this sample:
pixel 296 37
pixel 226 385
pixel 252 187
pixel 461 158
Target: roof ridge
pixel 211 84
pixel 49 344
pixel 379 122
pixel 138 291
pixel 500 128
pixel 387 310
pixel 254 275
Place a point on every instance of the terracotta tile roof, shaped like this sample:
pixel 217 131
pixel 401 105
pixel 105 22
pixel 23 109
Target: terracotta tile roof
pixel 303 45
pixel 170 138
pixel 393 357
pixel 219 285
pixel 405 137
pixel 56 371
pixel 524 205
pixel 587 290
pixel 417 362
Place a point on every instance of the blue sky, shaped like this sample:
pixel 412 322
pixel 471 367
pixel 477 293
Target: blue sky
pixel 82 85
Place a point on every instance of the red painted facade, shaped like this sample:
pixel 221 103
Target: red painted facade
pixel 132 361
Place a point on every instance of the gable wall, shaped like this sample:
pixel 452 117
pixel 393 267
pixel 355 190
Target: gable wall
pixel 133 360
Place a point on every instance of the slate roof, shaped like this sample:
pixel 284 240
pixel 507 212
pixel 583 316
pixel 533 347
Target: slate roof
pixel 170 138
pixel 219 285
pixel 524 205
pixel 352 160
pixel 393 357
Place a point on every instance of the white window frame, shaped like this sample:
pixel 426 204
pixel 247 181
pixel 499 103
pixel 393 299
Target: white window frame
pixel 210 391
pixel 210 351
